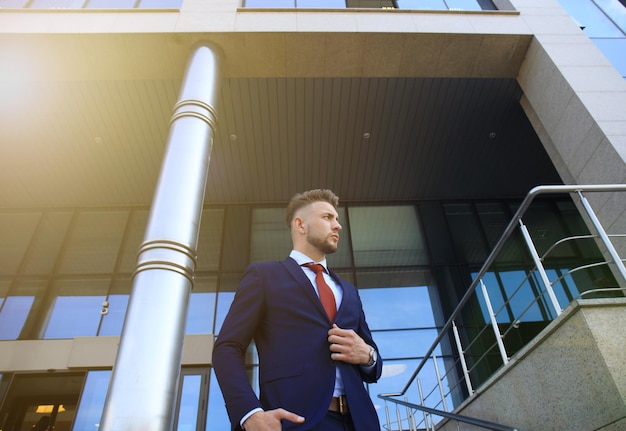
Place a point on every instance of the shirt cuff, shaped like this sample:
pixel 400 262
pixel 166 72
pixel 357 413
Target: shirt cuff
pixel 250 413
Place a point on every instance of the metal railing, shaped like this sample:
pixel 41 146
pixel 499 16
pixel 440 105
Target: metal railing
pixel 449 386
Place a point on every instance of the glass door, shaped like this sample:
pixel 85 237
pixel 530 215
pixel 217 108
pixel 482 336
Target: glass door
pixel 42 402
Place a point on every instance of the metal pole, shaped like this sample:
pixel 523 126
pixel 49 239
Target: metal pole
pixel 459 347
pixel 143 387
pixel 617 260
pixel 540 269
pixel 494 324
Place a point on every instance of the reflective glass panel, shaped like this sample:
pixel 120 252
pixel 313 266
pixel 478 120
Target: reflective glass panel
pixel 161 4
pixel 217 418
pixel 398 307
pixel 76 309
pixel 133 237
pixel 16 230
pixel 269 3
pixel 189 402
pixel 227 287
pixel 13 3
pixel 113 321
pixel 386 236
pixel 270 239
pixel 111 4
pixel 54 4
pixel 615 10
pixel 463 5
pixel 93 244
pixel 615 51
pixel 20 303
pixel 210 239
pixel 335 4
pixel 13 314
pixel 46 245
pixel 201 311
pixel 591 18
pixel 405 343
pixel 91 404
pixel 422 4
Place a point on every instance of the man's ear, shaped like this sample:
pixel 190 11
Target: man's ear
pixel 298 224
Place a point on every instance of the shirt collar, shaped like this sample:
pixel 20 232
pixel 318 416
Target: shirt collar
pixel 302 258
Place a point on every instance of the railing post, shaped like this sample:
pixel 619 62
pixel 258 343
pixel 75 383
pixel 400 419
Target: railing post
pixel 494 324
pixel 387 415
pixel 540 268
pixel 617 260
pixel 459 348
pixel 440 384
pixel 422 400
pixel 410 417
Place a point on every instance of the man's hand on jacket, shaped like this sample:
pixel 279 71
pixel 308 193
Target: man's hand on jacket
pixel 270 420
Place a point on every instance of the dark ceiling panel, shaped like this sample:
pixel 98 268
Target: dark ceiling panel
pixel 100 143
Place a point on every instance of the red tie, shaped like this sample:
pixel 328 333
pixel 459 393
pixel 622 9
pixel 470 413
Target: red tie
pixel 326 295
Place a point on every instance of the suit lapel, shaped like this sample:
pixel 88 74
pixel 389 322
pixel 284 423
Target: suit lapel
pixel 303 282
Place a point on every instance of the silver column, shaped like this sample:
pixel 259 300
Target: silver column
pixel 147 367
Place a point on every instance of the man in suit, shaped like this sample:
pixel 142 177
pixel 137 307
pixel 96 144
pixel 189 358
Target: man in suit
pixel 311 365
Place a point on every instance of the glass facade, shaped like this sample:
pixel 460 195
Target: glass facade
pixel 92 4
pixel 604 21
pixel 69 275
pixel 375 4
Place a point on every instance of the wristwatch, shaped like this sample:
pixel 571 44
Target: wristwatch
pixel 373 357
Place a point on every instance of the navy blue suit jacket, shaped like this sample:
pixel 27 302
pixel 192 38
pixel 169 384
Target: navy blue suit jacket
pixel 277 306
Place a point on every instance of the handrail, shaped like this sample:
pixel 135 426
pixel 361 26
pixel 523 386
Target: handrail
pixel 460 418
pixel 513 224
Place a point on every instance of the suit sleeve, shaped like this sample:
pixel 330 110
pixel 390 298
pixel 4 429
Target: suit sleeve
pixel 233 341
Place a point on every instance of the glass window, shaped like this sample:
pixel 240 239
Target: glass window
pixel 210 239
pixel 398 307
pixel 422 4
pixel 132 240
pixel 110 4
pixel 269 3
pixel 201 311
pixel 76 309
pixel 94 242
pixel 20 303
pixel 13 313
pixel 161 4
pixel 16 230
pixel 591 18
pixel 13 3
pixel 270 239
pixel 217 418
pixel 46 244
pixel 227 288
pixel 463 5
pixel 616 10
pixel 54 4
pixel 335 4
pixel 91 404
pixel 113 321
pixel 188 407
pixel 387 236
pixel 615 51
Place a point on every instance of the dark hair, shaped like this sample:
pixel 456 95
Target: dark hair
pixel 305 198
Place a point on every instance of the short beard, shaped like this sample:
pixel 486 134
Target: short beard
pixel 321 244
